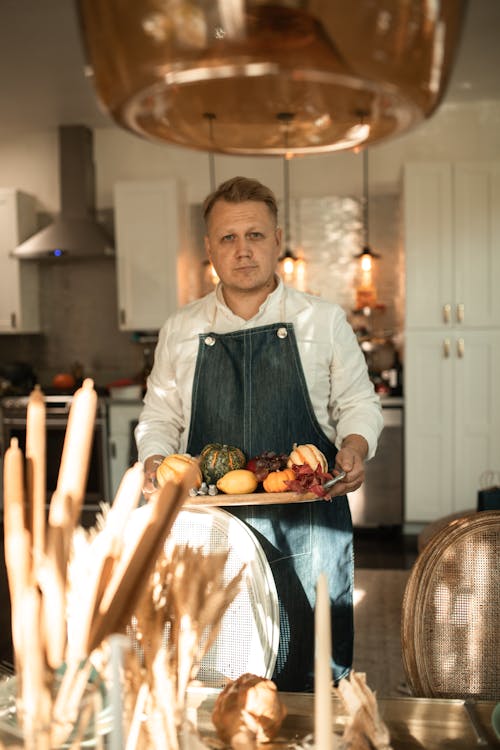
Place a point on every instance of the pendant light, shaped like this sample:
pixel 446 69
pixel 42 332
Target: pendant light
pixel 366 296
pixel 354 73
pixel 210 272
pixel 367 255
pixel 291 267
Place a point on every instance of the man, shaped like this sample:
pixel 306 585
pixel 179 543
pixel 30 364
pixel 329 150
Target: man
pixel 262 366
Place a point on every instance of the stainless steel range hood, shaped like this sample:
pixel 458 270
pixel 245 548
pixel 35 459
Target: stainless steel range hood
pixel 75 233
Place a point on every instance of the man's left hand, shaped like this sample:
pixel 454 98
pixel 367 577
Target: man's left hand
pixel 351 459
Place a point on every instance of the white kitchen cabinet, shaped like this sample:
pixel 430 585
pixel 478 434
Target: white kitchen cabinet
pixel 148 220
pixel 121 416
pixel 476 243
pixel 452 339
pixel 452 424
pixel 19 284
pixel 452 243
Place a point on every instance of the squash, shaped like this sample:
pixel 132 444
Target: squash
pixel 276 481
pixel 238 482
pixel 308 454
pixel 64 381
pixel 216 459
pixel 173 468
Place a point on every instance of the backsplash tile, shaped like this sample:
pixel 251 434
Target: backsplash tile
pixel 79 298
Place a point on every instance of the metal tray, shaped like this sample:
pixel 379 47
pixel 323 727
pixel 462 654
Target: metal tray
pixel 414 723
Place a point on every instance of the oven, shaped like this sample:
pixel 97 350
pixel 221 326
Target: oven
pixel 13 417
pixel 379 501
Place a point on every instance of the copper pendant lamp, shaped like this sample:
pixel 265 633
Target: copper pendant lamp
pixel 211 273
pixel 366 293
pixel 367 255
pixel 288 259
pixel 352 73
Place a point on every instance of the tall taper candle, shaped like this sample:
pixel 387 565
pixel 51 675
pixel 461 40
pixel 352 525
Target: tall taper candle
pixel 322 667
pixel 17 539
pixel 75 459
pixel 13 483
pixel 36 469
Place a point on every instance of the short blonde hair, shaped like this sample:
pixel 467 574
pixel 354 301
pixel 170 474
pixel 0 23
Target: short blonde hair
pixel 237 190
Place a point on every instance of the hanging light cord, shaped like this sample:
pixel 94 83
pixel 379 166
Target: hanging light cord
pixel 366 249
pixel 210 117
pixel 366 232
pixel 286 196
pixel 211 169
pixel 286 118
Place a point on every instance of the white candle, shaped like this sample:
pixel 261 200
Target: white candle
pixel 77 447
pixel 17 541
pixel 322 667
pixel 36 471
pixel 117 644
pixel 13 483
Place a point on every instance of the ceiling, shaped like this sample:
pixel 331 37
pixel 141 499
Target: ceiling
pixel 42 81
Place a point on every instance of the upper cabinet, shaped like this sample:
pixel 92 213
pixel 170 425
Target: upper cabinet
pixel 19 285
pixel 476 194
pixel 148 224
pixel 452 339
pixel 452 241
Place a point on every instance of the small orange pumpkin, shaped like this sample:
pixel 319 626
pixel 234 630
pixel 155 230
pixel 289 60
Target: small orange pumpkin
pixel 308 454
pixel 276 480
pixel 173 468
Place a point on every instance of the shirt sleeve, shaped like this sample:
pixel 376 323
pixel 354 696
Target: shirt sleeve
pixel 354 406
pixel 161 421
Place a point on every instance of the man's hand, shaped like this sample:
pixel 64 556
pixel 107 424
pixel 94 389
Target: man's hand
pixel 150 466
pixel 351 459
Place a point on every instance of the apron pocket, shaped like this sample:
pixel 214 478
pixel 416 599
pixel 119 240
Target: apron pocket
pixel 284 531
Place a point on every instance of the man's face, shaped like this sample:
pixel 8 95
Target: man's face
pixel 243 244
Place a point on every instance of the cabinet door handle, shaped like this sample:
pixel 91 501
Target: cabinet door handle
pixel 446 348
pixel 446 313
pixel 460 348
pixel 123 317
pixel 460 312
pixel 13 320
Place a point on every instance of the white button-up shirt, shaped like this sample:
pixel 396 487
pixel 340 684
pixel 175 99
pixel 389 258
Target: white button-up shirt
pixel 341 393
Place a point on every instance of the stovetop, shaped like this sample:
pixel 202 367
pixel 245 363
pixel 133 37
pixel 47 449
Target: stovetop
pixel 47 390
pixel 56 399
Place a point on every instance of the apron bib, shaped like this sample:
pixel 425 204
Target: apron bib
pixel 249 390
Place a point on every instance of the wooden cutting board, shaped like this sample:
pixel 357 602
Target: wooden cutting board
pixel 255 498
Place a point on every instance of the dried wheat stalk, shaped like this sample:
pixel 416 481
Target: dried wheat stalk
pixel 50 626
pixel 365 729
pixel 185 598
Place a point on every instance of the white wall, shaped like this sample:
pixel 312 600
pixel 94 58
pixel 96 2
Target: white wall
pixel 30 162
pixel 455 132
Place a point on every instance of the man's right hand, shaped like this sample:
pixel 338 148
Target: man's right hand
pixel 150 466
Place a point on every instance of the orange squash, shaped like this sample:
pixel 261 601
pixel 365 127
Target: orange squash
pixel 173 467
pixel 308 454
pixel 276 480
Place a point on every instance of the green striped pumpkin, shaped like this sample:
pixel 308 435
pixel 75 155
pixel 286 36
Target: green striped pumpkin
pixel 217 459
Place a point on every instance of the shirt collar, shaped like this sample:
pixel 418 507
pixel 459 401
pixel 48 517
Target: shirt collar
pixel 271 302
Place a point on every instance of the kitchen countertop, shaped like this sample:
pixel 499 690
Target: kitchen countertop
pixel 130 401
pixel 433 723
pixel 392 402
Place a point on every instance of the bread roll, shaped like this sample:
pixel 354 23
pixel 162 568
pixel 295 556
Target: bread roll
pixel 247 711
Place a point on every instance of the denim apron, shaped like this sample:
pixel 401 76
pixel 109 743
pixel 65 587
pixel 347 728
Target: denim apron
pixel 249 390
